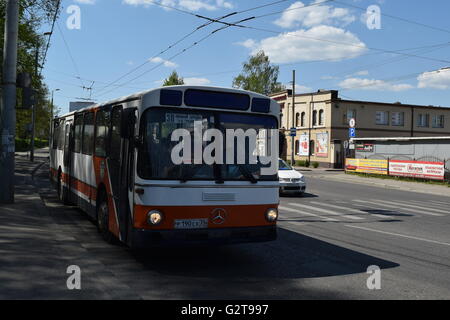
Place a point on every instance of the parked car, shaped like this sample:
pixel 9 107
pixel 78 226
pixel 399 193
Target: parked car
pixel 291 181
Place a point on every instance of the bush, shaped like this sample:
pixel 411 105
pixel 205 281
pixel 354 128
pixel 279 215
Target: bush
pixel 315 165
pixel 24 144
pixel 300 163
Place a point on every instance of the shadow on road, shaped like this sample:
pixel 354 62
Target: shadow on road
pixel 292 256
pixel 305 195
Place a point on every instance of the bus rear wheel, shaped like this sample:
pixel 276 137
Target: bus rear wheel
pixel 62 192
pixel 103 221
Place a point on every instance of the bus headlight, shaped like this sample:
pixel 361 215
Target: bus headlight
pixel 272 215
pixel 154 217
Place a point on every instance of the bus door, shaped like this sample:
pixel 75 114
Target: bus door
pixel 119 169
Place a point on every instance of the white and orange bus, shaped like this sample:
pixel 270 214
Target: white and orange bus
pixel 113 160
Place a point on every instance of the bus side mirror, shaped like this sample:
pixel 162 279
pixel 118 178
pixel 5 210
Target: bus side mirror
pixel 128 123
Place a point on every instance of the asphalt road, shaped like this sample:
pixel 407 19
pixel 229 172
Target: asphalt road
pixel 327 240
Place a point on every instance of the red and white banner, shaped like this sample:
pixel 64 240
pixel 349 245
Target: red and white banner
pixel 417 169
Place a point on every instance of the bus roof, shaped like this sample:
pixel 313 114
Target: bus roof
pixel 139 95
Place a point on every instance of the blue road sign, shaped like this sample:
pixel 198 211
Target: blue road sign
pixel 352 133
pixel 293 132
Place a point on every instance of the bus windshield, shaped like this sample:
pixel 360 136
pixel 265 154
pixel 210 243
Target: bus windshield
pixel 157 126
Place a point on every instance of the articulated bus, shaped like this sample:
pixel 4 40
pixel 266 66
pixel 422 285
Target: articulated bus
pixel 114 161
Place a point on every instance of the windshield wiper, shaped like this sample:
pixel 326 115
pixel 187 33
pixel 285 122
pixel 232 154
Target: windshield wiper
pixel 247 174
pixel 186 174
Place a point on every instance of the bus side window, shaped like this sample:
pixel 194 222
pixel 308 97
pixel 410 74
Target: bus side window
pixel 114 150
pixel 102 123
pixel 61 135
pixel 78 133
pixel 88 134
pixel 55 134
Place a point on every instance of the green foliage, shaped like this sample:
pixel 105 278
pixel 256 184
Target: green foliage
pixel 32 16
pixel 173 80
pixel 258 75
pixel 24 144
pixel 315 165
pixel 302 163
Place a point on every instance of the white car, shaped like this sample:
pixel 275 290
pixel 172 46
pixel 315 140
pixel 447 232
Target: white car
pixel 291 181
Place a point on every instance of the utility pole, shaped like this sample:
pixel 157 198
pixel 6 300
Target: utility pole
pixel 293 118
pixel 33 108
pixel 7 108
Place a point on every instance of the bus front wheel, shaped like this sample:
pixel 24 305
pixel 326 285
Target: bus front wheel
pixel 103 221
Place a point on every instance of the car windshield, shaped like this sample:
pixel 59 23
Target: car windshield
pixel 158 124
pixel 282 165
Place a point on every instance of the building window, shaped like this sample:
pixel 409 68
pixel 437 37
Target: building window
pixel 398 119
pixel 88 134
pixel 382 118
pixel 321 118
pixel 297 119
pixel 423 120
pixel 438 121
pixel 351 114
pixel 312 148
pixel 314 119
pixel 297 147
pixel 303 119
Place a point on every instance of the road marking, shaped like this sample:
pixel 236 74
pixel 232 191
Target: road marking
pixel 409 210
pixel 440 205
pixel 324 211
pixel 402 204
pixel 372 214
pixel 282 208
pixel 399 235
pixel 338 207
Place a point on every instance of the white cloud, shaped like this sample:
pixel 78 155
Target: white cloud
pixel 196 81
pixel 166 63
pixel 299 88
pixel 303 45
pixel 359 73
pixel 372 84
pixel 439 79
pixel 192 5
pixel 313 16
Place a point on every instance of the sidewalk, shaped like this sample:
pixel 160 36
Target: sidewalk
pixel 438 190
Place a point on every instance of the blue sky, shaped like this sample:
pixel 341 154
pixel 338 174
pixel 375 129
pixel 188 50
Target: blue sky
pixel 328 44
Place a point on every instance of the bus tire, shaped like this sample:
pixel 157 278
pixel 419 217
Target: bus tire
pixel 62 192
pixel 103 220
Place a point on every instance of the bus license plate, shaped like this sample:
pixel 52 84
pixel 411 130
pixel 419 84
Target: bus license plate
pixel 191 224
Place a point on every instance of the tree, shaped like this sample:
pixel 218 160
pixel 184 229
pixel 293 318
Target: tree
pixel 173 80
pixel 259 75
pixel 33 14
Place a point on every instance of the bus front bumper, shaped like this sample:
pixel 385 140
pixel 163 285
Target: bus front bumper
pixel 216 236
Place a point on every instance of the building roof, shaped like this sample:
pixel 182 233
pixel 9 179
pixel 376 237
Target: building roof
pixel 335 98
pixel 400 138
